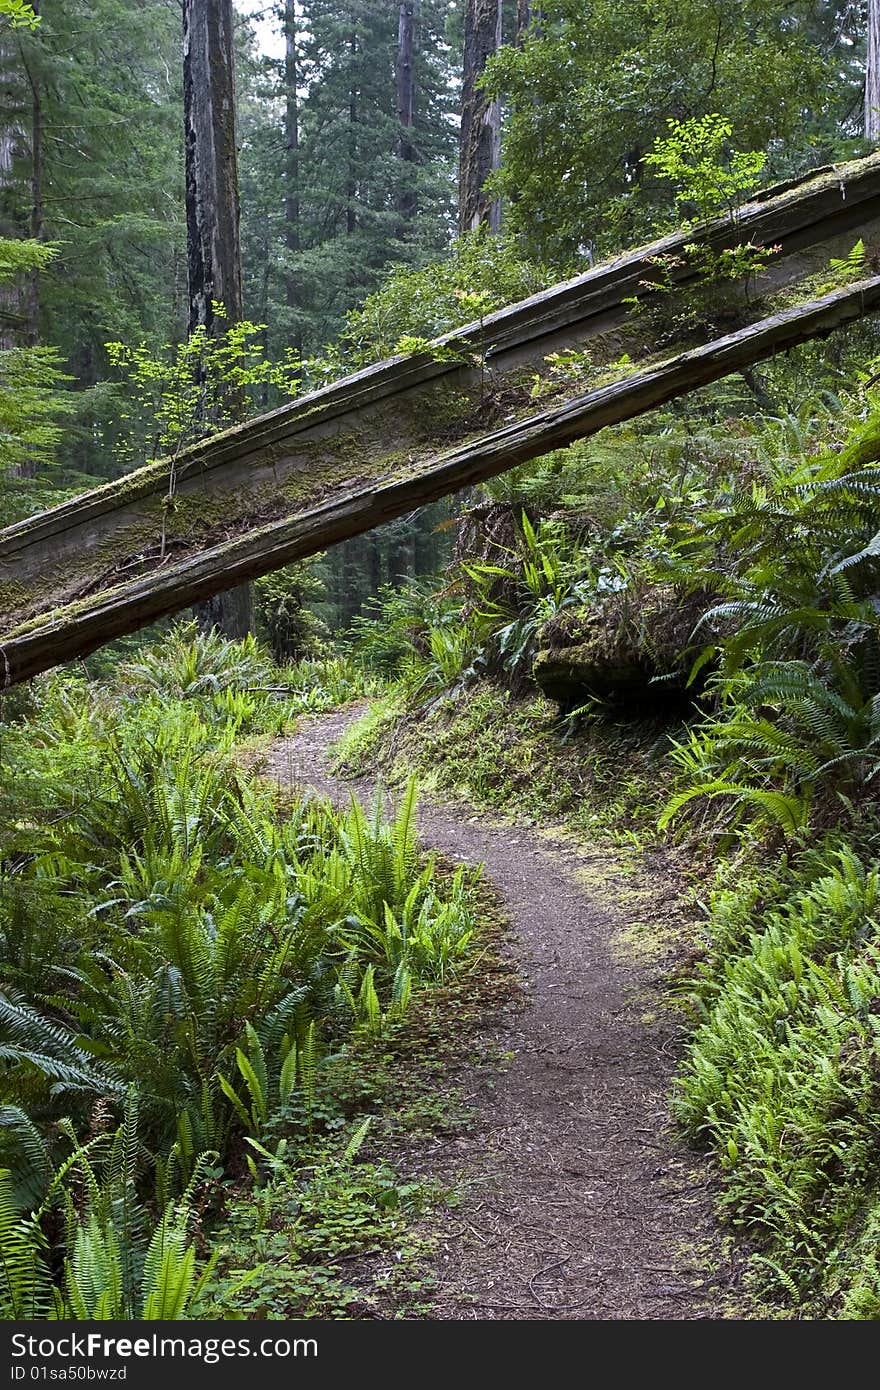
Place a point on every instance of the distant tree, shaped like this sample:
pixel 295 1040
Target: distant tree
pixel 21 144
pixel 212 217
pixel 331 178
pixel 292 239
pixel 872 73
pixel 212 204
pixel 480 118
pixel 406 149
pixel 590 87
pixel 32 399
pixel 90 156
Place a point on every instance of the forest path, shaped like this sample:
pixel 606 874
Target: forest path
pixel 581 1203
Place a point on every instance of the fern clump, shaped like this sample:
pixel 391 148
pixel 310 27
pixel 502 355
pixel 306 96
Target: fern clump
pixel 184 959
pixel 781 1075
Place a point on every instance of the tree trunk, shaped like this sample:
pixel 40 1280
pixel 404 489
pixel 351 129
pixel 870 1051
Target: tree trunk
pixel 212 208
pixel 480 118
pixel 872 74
pixel 523 17
pixel 13 149
pixel 212 217
pixel 406 150
pixel 351 181
pixel 332 460
pixel 291 157
pixel 32 297
pixel 20 298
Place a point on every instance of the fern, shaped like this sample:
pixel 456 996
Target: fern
pixel 27 1155
pixel 25 1290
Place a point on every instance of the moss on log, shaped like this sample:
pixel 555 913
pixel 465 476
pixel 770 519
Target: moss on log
pixel 355 505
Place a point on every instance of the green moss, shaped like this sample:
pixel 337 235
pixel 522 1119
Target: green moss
pixel 196 514
pixel 13 595
pixel 422 423
pixel 515 757
pixel 56 616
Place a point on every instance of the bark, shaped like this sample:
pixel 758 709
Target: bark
pixel 13 151
pixel 374 561
pixel 352 182
pixel 407 153
pixel 231 611
pixel 480 151
pixel 32 294
pixel 291 154
pixel 212 213
pixel 872 73
pixel 523 17
pixel 212 207
pixel 20 298
pixel 74 632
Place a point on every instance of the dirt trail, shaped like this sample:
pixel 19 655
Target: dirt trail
pixel 581 1202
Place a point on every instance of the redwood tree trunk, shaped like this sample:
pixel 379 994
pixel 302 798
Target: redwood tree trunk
pixel 212 217
pixel 480 118
pixel 406 150
pixel 20 297
pixel 352 179
pixel 212 209
pixel 13 152
pixel 32 309
pixel 291 154
pixel 872 73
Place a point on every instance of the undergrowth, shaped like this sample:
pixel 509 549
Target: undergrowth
pixel 515 755
pixel 755 535
pixel 196 977
pixel 783 1072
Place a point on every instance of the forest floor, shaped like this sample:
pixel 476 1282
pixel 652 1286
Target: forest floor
pixel 578 1200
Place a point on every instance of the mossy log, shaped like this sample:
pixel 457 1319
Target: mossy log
pixel 629 648
pixel 395 430
pixel 356 506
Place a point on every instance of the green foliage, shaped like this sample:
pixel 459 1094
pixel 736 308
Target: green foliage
pixel 119 1264
pixel 31 405
pixel 189 664
pixel 32 402
pixel 781 1074
pixel 709 176
pixel 391 625
pixel 109 190
pixel 711 179
pixel 797 639
pixel 24 257
pixel 184 391
pixel 285 602
pixel 284 1251
pixel 486 623
pixel 480 274
pixel 178 951
pixel 325 683
pixel 24 1284
pixel 19 13
pixel 360 208
pixel 592 87
pixel 851 265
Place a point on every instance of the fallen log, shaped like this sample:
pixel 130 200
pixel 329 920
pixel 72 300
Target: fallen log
pixel 375 428
pixel 79 628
